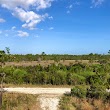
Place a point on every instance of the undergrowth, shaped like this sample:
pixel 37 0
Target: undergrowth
pixel 75 103
pixel 17 101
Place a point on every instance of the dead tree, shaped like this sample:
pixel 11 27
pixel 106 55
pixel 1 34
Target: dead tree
pixel 2 75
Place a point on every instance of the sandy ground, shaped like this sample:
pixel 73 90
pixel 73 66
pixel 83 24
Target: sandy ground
pixel 58 91
pixel 48 97
pixel 49 102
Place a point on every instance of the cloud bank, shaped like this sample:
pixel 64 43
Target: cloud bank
pixel 97 3
pixel 22 10
pixel 22 34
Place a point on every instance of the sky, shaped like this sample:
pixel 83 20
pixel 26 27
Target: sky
pixel 55 26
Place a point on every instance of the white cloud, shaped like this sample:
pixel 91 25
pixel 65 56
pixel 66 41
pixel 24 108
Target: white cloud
pixel 13 28
pixel 42 4
pixel 50 17
pixel 22 10
pixel 75 3
pixel 51 28
pixel 25 4
pixel 70 7
pixel 23 34
pixel 96 3
pixel 2 20
pixel 30 18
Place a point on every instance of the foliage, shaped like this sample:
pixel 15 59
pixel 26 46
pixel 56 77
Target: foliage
pixel 89 80
pixel 18 76
pixel 79 91
pixel 98 92
pixel 58 74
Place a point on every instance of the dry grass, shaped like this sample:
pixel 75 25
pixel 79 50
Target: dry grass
pixel 100 105
pixel 46 63
pixel 12 101
pixel 73 103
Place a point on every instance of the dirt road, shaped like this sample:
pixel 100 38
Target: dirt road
pixel 48 97
pixel 57 91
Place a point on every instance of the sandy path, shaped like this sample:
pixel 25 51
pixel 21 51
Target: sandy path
pixel 48 97
pixel 49 102
pixel 58 91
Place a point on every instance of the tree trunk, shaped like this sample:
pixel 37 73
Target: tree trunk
pixel 1 91
pixel 0 99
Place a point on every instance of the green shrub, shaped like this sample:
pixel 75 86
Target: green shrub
pixel 18 76
pixel 65 103
pixel 79 91
pixel 97 92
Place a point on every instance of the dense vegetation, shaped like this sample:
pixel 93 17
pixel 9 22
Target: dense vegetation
pixel 90 80
pixel 76 74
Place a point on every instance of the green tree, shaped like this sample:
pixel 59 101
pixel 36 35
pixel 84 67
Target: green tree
pixel 2 57
pixel 43 53
pixel 18 76
pixel 7 50
pixel 109 52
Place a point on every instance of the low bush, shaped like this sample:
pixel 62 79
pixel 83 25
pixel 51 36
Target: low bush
pixel 98 92
pixel 79 91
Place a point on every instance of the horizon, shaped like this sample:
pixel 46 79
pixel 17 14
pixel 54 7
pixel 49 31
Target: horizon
pixel 43 53
pixel 71 27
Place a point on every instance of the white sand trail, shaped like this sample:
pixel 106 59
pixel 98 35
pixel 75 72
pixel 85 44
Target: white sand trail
pixel 48 97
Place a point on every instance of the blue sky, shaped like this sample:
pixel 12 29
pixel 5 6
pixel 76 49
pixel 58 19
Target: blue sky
pixel 55 26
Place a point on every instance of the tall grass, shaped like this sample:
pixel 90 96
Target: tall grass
pixel 16 101
pixel 74 103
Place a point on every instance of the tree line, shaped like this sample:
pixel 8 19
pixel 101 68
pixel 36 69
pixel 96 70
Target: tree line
pixel 56 57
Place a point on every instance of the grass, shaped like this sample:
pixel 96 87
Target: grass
pixel 46 63
pixel 74 103
pixel 16 101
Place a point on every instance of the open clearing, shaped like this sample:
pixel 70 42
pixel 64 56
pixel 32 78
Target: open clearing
pixel 45 63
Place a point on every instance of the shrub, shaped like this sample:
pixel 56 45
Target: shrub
pixel 18 76
pixel 97 92
pixel 79 91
